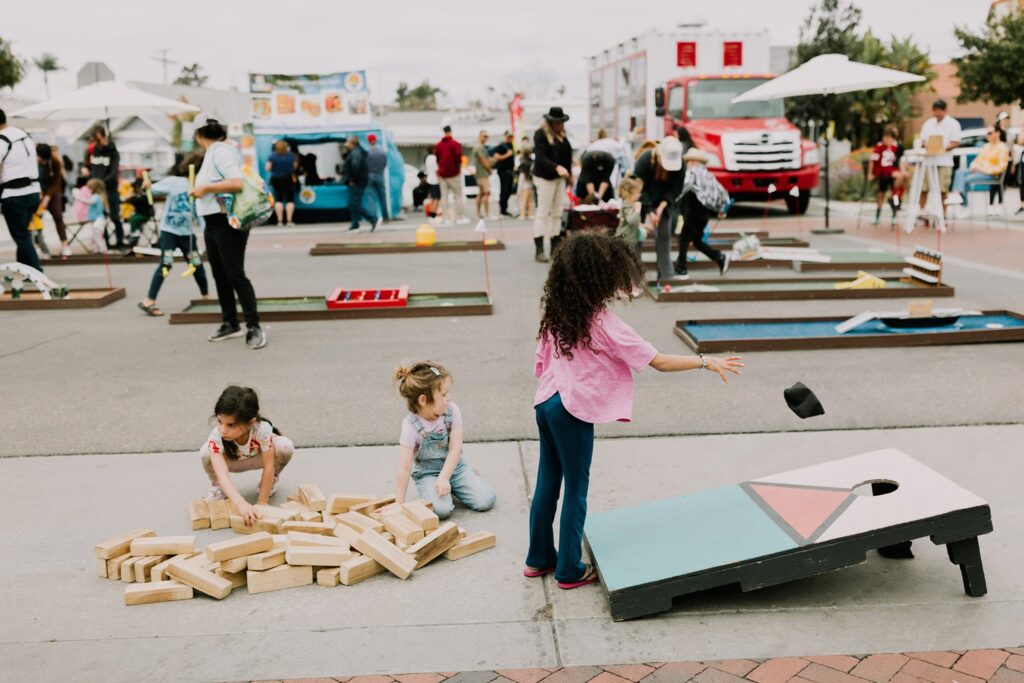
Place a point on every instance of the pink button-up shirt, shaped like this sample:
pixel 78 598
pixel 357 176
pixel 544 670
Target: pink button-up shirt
pixel 595 386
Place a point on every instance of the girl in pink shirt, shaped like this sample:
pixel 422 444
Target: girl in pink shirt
pixel 585 359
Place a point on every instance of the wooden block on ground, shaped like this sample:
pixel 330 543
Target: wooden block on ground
pixel 434 544
pixel 114 566
pixel 420 515
pixel 163 545
pixel 285 576
pixel 275 512
pixel 323 528
pixel 237 547
pixel 294 498
pixel 359 522
pixel 328 576
pixel 119 545
pixel 402 528
pixel 236 578
pixel 272 525
pixel 474 543
pixel 376 546
pixel 235 564
pixel 427 504
pixel 266 560
pixel 387 536
pixel 462 532
pixel 101 568
pixel 370 507
pixel 156 591
pixel 358 569
pixel 128 569
pixel 317 556
pixel 219 514
pixel 312 497
pixel 199 514
pixel 144 567
pixel 343 502
pixel 302 513
pixel 298 538
pixel 158 573
pixel 346 533
pixel 190 574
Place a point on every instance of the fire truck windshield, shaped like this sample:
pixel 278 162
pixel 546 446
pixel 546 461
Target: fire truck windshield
pixel 712 99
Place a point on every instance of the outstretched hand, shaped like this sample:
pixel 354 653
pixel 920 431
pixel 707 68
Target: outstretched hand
pixel 723 365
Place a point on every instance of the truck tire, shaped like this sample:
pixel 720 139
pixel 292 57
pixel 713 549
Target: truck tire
pixel 797 206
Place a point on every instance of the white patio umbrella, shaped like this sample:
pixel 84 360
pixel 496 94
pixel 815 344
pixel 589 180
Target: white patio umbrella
pixel 102 100
pixel 827 75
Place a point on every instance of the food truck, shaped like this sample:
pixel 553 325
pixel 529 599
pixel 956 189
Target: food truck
pixel 315 114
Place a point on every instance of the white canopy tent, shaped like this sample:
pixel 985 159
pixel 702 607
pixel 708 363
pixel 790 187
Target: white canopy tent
pixel 102 100
pixel 830 74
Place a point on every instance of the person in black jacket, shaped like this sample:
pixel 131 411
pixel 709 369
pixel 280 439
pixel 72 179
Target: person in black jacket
pixel 595 181
pixel 356 175
pixel 103 163
pixel 660 169
pixel 552 164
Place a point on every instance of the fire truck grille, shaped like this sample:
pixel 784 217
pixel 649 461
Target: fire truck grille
pixel 761 151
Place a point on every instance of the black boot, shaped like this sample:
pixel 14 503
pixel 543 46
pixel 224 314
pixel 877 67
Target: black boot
pixel 538 243
pixel 555 241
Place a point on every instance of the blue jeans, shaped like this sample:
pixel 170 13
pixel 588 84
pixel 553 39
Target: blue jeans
pixel 467 486
pixel 17 212
pixel 964 179
pixel 566 449
pixel 379 192
pixel 168 243
pixel 356 205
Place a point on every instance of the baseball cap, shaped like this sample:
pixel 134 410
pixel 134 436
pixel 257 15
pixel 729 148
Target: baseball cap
pixel 371 138
pixel 670 152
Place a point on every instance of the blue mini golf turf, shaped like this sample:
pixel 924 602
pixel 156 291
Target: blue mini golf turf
pixel 703 332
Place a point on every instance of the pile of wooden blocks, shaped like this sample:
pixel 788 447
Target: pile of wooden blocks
pixel 341 539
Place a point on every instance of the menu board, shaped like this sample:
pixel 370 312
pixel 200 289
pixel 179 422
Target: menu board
pixel 309 100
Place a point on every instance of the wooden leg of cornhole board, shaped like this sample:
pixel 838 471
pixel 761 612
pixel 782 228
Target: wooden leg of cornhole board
pixel 967 555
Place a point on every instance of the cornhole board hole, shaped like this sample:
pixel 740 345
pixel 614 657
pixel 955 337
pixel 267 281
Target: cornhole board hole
pixel 353 248
pixel 418 305
pixel 726 240
pixel 782 528
pixel 801 334
pixel 779 289
pixel 77 298
pixel 837 261
pixel 113 258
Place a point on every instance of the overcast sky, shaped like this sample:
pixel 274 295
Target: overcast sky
pixel 463 46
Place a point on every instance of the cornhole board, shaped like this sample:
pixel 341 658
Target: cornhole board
pixel 725 241
pixel 78 298
pixel 838 261
pixel 779 289
pixel 353 248
pixel 802 334
pixel 781 528
pixel 419 305
pixel 112 258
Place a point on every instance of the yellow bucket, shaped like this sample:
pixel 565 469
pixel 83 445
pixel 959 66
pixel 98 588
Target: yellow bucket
pixel 425 236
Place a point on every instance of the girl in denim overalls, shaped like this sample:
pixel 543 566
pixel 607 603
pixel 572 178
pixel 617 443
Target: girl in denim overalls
pixel 431 444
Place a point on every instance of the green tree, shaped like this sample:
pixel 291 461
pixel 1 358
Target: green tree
pixel 191 75
pixel 991 68
pixel 421 98
pixel 12 69
pixel 47 63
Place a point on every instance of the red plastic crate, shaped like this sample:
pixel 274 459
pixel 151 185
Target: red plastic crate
pixel 368 298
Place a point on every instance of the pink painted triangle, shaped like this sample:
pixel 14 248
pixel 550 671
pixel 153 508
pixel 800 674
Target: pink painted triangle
pixel 804 509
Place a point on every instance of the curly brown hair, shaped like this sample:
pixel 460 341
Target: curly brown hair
pixel 588 271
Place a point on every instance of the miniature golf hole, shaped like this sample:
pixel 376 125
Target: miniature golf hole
pixel 875 487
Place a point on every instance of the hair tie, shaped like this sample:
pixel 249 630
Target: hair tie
pixel 435 371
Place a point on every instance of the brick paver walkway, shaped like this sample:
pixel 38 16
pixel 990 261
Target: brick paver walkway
pixel 943 666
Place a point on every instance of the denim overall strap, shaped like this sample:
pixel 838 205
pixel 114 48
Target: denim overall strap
pixel 433 448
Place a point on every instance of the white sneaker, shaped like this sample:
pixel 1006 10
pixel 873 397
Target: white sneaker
pixel 995 211
pixel 954 199
pixel 216 493
pixel 66 251
pixel 462 221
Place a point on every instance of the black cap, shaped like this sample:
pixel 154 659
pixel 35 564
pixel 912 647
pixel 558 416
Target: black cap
pixel 447 129
pixel 939 104
pixel 802 401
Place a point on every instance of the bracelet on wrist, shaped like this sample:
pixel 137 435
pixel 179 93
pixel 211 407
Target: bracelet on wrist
pixel 703 362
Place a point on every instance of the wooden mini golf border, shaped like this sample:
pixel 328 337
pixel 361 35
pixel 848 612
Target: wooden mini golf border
pixel 847 341
pixel 186 317
pixel 354 248
pixel 111 258
pixel 94 298
pixel 826 291
pixel 798 266
pixel 717 239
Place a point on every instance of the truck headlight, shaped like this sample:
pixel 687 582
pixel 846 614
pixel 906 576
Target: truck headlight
pixel 713 160
pixel 811 157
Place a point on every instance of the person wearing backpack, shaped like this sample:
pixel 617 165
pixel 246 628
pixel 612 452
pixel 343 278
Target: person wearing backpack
pixel 217 183
pixel 19 188
pixel 702 197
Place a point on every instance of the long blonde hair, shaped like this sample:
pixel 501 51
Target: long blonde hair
pixel 647 144
pixel 550 134
pixel 422 378
pixel 97 187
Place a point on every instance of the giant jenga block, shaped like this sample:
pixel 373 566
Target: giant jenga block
pixel 199 514
pixel 237 547
pixel 285 576
pixel 474 543
pixel 343 502
pixel 144 567
pixel 317 555
pixel 312 497
pixel 119 545
pixel 220 514
pixel 128 569
pixel 371 507
pixel 421 515
pixel 302 513
pixel 266 560
pixel 328 576
pixel 271 525
pixel 163 545
pixel 434 544
pixel 156 591
pixel 324 528
pixel 190 574
pixel 397 562
pixel 359 569
pixel 359 522
pixel 114 566
pixel 402 528
pixel 297 538
pixel 236 578
pixel 235 564
pixel 158 573
pixel 346 533
pixel 101 568
pixel 275 512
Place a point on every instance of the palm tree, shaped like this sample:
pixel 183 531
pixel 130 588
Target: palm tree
pixel 46 63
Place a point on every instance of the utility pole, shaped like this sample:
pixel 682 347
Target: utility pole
pixel 163 60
